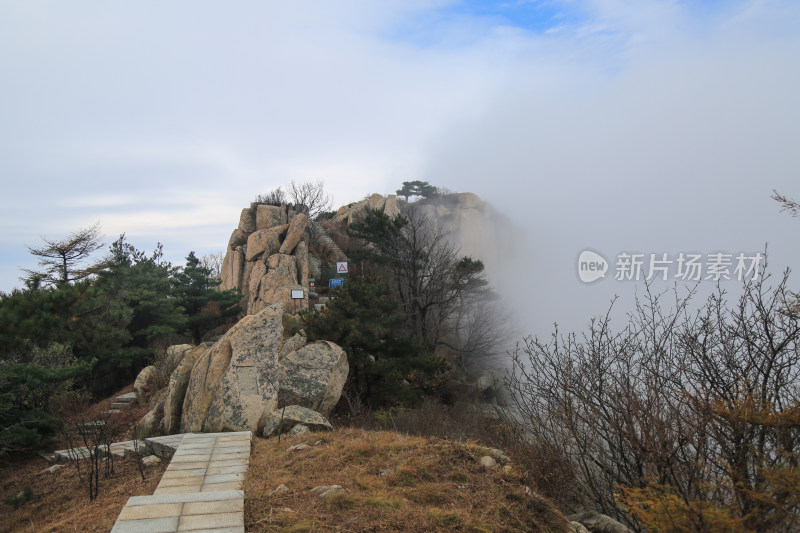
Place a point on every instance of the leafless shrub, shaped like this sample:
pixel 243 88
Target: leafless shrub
pixel 704 403
pixel 274 197
pixel 213 262
pixel 88 433
pixel 163 363
pixel 311 195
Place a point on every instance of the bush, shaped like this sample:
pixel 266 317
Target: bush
pixel 689 421
pixel 274 197
pixel 388 365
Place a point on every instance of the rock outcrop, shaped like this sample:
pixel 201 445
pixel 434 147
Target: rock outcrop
pixel 267 258
pixel 235 383
pixel 144 386
pixel 286 419
pixel 313 376
pixel 357 211
pixel 599 523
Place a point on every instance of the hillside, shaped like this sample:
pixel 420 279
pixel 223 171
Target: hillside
pixel 391 482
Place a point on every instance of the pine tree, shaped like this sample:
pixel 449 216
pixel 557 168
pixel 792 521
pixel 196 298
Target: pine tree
pixel 140 287
pixel 417 188
pixel 205 307
pixel 387 362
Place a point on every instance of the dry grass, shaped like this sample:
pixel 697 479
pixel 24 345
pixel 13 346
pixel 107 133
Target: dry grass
pixel 59 500
pixel 394 482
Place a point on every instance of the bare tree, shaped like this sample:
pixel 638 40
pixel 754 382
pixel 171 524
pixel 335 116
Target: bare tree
pixel 213 262
pixel 311 195
pixel 787 204
pixel 275 197
pixel 61 260
pixel 693 415
pixel 436 286
pixel 88 434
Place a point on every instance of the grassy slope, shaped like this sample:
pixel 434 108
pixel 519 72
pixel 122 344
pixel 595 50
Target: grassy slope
pixel 434 485
pixel 61 499
pixel 431 485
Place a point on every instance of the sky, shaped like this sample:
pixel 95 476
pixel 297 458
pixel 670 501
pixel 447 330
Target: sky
pixel 612 125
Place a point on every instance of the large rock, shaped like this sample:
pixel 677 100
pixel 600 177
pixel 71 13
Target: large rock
pixel 244 285
pixel 256 276
pixel 295 342
pixel 247 220
pixel 390 208
pixel 284 419
pixel 301 261
pixel 313 376
pixel 297 228
pixel 281 276
pixel 264 240
pixel 145 384
pixel 599 523
pixel 176 390
pixel 150 424
pixel 234 385
pixel 376 201
pixel 232 267
pixel 238 238
pixel 175 355
pixel 268 216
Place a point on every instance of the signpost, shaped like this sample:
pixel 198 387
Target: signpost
pixel 336 282
pixel 298 294
pixel 341 268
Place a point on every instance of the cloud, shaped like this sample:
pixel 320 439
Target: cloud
pixel 608 124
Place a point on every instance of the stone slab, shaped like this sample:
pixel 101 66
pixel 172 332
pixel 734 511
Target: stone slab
pixel 187 498
pixel 200 490
pixel 148 525
pixel 210 521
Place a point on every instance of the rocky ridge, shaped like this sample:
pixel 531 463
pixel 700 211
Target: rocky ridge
pixel 237 382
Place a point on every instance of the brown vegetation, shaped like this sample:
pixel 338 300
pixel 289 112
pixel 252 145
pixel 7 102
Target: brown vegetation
pixel 59 500
pixel 394 482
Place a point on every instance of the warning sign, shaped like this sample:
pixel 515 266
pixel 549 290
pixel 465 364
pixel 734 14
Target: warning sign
pixel 341 268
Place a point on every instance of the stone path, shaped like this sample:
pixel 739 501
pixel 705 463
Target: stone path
pixel 163 447
pixel 200 490
pixel 122 402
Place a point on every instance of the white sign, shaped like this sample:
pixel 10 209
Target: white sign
pixel 298 294
pixel 341 268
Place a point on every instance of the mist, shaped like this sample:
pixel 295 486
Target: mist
pixel 651 127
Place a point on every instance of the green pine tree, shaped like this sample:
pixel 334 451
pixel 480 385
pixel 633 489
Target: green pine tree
pixel 387 363
pixel 205 307
pixel 140 287
pixel 417 188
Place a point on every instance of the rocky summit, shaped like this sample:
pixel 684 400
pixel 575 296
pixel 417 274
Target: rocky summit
pixel 237 382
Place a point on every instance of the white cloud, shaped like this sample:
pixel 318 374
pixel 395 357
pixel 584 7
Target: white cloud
pixel 650 124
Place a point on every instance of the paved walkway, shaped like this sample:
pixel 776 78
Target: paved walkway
pixel 200 490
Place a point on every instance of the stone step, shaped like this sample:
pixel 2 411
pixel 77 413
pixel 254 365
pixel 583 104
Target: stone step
pixel 164 446
pixel 200 490
pixel 126 398
pixel 117 449
pixel 119 406
pixel 221 511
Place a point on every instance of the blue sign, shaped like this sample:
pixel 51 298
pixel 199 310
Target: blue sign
pixel 336 282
